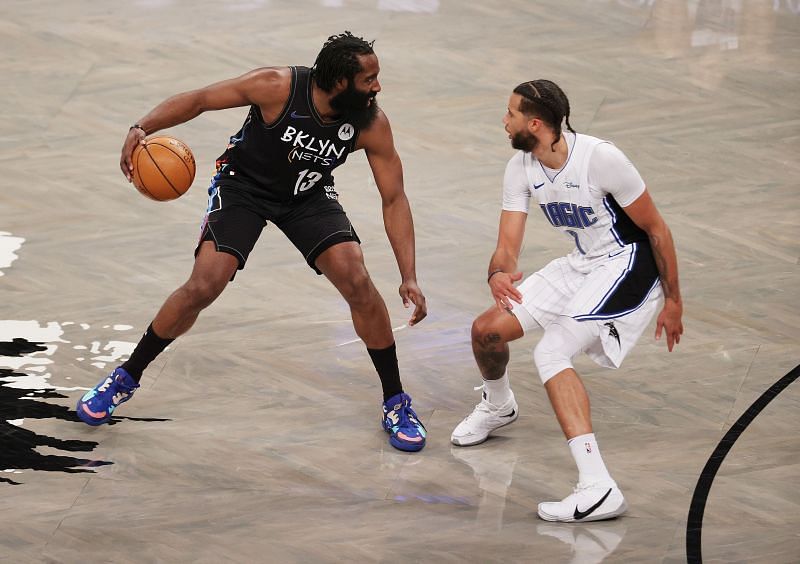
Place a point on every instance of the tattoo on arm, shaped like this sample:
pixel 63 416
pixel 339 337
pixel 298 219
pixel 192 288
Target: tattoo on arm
pixel 669 282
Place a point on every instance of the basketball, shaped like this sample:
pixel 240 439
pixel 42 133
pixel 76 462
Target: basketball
pixel 163 168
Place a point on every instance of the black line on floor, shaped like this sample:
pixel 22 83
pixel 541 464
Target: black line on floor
pixel 694 525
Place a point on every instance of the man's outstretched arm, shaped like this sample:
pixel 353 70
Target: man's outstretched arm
pixel 265 87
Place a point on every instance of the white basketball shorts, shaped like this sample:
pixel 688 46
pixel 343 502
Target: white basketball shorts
pixel 617 294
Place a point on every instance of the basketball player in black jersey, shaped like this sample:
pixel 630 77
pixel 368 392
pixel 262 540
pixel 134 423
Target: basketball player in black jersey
pixel 302 124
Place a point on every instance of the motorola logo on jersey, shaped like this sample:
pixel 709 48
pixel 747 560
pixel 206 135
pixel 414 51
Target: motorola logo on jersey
pixel 346 132
pixel 566 214
pixel 306 147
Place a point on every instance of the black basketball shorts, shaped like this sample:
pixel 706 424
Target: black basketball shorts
pixel 235 218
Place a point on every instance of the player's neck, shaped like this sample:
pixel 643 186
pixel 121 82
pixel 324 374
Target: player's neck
pixel 321 101
pixel 552 156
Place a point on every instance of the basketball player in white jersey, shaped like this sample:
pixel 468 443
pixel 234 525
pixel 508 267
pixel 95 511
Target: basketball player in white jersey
pixel 598 299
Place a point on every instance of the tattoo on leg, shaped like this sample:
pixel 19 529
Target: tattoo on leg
pixel 491 339
pixel 492 355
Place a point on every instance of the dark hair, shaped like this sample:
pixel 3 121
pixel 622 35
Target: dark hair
pixel 545 100
pixel 338 59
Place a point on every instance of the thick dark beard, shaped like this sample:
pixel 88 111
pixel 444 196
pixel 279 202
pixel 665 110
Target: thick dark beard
pixel 524 141
pixel 363 118
pixel 358 108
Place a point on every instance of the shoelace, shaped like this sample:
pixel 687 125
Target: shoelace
pixel 122 388
pixel 404 421
pixel 483 405
pixel 581 487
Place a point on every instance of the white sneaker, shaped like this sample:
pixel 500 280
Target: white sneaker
pixel 592 502
pixel 485 418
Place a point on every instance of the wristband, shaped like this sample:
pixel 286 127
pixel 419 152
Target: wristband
pixel 492 273
pixel 137 126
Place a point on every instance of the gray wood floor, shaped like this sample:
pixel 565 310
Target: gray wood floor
pixel 255 438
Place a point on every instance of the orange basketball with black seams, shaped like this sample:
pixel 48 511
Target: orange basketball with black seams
pixel 163 168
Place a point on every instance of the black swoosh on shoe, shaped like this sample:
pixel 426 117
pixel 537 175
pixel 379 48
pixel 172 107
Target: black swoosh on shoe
pixel 513 412
pixel 578 515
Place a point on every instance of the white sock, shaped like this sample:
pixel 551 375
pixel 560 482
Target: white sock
pixel 497 391
pixel 591 468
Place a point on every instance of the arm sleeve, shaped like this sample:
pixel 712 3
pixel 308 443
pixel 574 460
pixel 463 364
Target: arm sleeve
pixel 516 192
pixel 612 172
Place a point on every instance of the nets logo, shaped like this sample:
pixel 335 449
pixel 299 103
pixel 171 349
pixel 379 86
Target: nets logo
pixel 346 132
pixel 306 147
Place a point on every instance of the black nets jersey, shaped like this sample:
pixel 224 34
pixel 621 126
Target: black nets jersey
pixel 293 156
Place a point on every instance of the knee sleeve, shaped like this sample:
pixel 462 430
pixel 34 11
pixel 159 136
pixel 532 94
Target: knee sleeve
pixel 562 340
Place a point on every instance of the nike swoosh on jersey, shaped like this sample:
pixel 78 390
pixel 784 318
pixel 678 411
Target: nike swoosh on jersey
pixel 612 255
pixel 537 186
pixel 583 514
pixel 295 115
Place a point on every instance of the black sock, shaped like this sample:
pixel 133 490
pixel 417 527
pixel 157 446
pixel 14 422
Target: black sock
pixel 385 361
pixel 148 348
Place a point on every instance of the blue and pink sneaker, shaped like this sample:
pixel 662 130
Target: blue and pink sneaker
pixel 98 404
pixel 406 432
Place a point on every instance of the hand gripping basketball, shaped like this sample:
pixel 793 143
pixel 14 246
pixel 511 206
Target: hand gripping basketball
pixel 163 168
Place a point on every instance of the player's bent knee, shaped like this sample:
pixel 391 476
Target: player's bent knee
pixel 485 330
pixel 549 358
pixel 562 340
pixel 494 327
pixel 358 289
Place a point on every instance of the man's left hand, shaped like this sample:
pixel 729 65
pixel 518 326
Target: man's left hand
pixel 411 294
pixel 669 320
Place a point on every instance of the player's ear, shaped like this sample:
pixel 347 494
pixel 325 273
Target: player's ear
pixel 341 84
pixel 534 124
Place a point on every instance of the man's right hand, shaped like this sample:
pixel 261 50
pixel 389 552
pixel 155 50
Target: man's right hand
pixel 503 290
pixel 135 137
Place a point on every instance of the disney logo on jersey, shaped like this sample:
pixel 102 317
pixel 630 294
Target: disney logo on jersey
pixel 569 185
pixel 566 214
pixel 306 147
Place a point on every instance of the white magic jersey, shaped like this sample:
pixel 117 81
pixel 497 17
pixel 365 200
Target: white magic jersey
pixel 584 199
pixel 610 280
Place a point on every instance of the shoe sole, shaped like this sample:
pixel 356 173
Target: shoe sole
pixel 462 442
pixel 406 447
pixel 88 419
pixel 402 445
pixel 593 517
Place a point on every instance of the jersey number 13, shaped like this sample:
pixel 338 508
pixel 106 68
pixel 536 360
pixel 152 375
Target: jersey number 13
pixel 305 181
